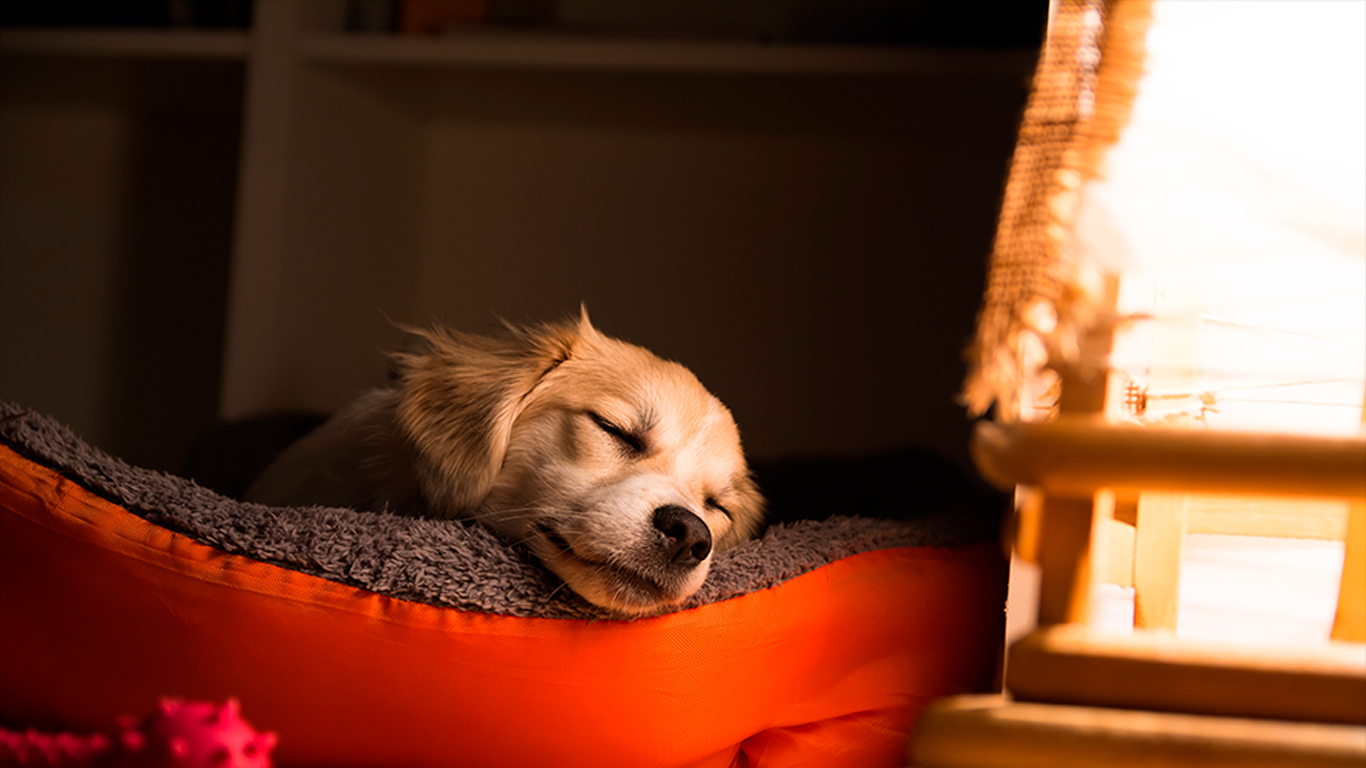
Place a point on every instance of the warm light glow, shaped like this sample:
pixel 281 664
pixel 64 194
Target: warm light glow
pixel 1232 214
pixel 1234 208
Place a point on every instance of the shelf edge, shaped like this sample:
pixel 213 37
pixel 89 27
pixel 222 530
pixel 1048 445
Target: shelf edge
pixel 173 44
pixel 544 52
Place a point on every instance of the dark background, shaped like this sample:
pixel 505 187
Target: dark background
pixel 812 246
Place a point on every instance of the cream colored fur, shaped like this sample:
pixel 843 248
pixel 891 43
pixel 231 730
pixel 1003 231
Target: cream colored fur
pixel 592 452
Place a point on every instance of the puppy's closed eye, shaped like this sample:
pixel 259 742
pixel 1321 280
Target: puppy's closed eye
pixel 583 448
pixel 632 442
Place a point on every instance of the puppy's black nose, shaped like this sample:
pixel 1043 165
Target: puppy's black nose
pixel 687 540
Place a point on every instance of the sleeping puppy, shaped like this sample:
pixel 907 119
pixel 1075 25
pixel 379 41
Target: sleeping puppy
pixel 617 468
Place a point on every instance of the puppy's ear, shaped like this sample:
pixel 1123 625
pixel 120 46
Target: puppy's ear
pixel 458 399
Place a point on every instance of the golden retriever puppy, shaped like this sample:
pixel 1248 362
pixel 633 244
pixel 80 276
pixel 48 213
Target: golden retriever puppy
pixel 617 468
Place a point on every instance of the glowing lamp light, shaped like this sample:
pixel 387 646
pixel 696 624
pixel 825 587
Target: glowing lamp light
pixel 1172 348
pixel 1173 335
pixel 1234 209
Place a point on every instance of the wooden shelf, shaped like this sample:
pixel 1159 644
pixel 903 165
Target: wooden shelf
pixel 523 50
pixel 1158 671
pixel 1077 457
pixel 529 50
pixel 167 44
pixel 994 732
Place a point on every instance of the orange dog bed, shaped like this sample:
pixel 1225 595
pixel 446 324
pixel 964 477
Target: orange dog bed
pixel 102 610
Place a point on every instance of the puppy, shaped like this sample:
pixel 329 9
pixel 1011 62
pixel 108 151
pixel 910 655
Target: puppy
pixel 615 467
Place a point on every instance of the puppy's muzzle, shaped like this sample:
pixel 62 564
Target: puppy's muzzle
pixel 685 538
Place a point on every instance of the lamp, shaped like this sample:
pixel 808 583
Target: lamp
pixel 1173 341
pixel 1182 249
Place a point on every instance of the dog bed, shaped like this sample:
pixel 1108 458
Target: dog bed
pixel 375 640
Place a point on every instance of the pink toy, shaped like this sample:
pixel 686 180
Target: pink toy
pixel 177 735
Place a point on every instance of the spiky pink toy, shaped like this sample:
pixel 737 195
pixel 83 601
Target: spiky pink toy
pixel 178 734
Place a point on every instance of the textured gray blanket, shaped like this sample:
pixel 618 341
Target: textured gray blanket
pixel 452 564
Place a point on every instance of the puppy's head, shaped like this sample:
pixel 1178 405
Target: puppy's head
pixel 617 468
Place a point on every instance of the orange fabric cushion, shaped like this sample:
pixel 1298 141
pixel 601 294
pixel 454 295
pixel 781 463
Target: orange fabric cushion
pixel 101 612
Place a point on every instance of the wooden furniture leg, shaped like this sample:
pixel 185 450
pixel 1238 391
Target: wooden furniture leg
pixel 1158 542
pixel 1350 623
pixel 1067 556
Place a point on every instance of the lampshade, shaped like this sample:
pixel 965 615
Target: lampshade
pixel 1173 333
pixel 1195 199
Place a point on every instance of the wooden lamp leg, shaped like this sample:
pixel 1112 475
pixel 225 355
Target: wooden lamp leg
pixel 1350 624
pixel 1158 542
pixel 1068 556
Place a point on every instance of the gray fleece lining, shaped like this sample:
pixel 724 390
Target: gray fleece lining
pixel 446 563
